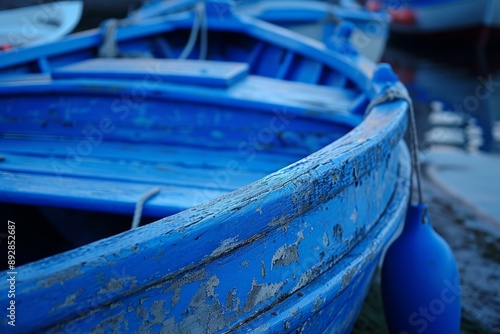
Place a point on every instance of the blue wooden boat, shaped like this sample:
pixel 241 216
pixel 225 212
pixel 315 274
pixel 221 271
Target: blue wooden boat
pixel 319 20
pixel 277 193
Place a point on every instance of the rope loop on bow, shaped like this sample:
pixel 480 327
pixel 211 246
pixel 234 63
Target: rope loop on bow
pixel 393 94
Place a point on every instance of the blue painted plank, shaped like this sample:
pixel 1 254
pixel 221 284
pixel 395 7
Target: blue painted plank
pixel 255 92
pixel 134 171
pixel 199 73
pixel 305 70
pixel 101 195
pixel 263 162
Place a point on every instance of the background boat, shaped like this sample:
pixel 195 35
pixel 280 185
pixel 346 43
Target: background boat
pixel 38 23
pixel 280 194
pixel 463 22
pixel 319 19
pixel 315 19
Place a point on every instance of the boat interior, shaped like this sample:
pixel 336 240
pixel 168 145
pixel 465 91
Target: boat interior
pixel 85 132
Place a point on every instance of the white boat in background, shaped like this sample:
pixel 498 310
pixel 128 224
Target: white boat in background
pixel 464 21
pixel 38 24
pixel 367 31
pixel 320 19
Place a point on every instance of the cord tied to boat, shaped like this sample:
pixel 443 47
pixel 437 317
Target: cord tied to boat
pixel 109 47
pixel 391 93
pixel 140 205
pixel 419 267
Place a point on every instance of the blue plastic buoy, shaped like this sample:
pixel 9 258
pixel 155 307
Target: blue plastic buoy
pixel 420 280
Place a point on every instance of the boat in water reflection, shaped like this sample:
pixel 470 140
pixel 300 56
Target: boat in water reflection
pixel 457 95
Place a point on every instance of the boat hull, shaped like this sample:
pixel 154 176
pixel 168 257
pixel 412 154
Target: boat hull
pixel 214 296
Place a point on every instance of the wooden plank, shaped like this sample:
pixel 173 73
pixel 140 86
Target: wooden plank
pixel 263 161
pixel 285 65
pixel 263 94
pixel 134 171
pixel 128 165
pixel 195 72
pixel 269 61
pixel 99 195
pixel 293 119
pixel 306 70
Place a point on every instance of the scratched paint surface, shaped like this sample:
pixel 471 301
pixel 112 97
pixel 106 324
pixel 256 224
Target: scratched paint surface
pixel 281 250
pixel 289 243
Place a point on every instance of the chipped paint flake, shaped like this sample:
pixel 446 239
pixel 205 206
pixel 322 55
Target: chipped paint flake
pixel 285 255
pixel 178 284
pixel 346 279
pixel 287 325
pixel 338 231
pixel 59 279
pixel 158 312
pixel 354 215
pixel 326 241
pixel 260 293
pixel 263 269
pixel 317 304
pixel 205 311
pixel 225 246
pixel 282 222
pixel 308 276
pixel 212 283
pixel 115 324
pixel 113 285
pixel 232 302
pixel 68 301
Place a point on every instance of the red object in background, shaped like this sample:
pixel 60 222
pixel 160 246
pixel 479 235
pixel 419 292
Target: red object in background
pixel 403 16
pixel 373 5
pixel 399 15
pixel 5 47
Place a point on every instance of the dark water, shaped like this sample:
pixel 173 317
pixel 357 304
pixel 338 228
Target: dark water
pixel 456 94
pixel 464 83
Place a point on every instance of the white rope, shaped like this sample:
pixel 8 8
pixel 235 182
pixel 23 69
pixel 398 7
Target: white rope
pixel 199 12
pixel 204 32
pixel 109 47
pixel 140 205
pixel 392 94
